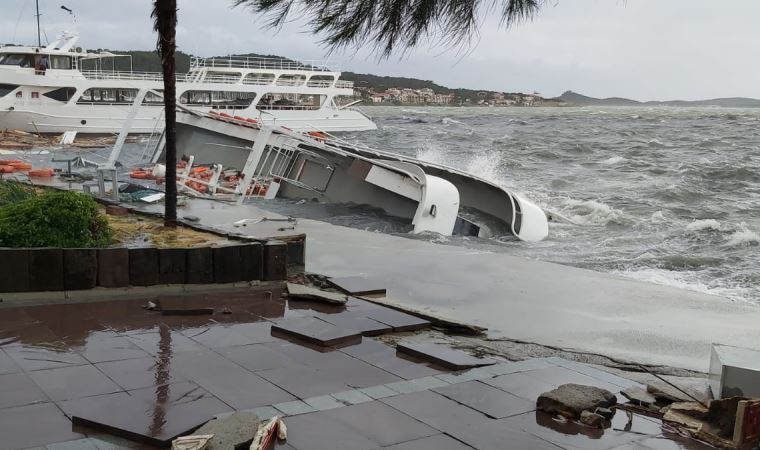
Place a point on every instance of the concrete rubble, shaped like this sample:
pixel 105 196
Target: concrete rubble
pixel 572 400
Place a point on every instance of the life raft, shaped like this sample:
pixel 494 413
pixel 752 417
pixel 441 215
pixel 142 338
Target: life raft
pixel 7 169
pixel 141 174
pixel 42 173
pixel 20 165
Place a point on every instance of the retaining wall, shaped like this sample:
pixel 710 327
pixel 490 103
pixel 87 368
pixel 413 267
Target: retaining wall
pixel 56 269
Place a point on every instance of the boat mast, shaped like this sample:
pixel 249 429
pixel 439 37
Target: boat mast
pixel 39 37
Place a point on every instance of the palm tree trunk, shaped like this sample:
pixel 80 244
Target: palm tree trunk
pixel 165 17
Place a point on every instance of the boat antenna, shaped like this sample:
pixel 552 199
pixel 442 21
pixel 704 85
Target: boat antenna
pixel 39 36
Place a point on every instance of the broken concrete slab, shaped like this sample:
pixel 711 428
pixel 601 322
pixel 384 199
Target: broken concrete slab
pixel 194 442
pixel 357 286
pixel 691 409
pixel 570 400
pixel 443 355
pixel 593 420
pixel 316 331
pixel 80 268
pixel 311 293
pixel 398 320
pixel 639 396
pixel 229 431
pixel 365 326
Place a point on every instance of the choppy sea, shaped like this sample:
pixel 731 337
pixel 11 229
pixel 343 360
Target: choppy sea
pixel 666 195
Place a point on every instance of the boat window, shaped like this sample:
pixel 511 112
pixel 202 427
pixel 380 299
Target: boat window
pixel 259 78
pixel 13 59
pixel 63 94
pixel 222 77
pixel 218 99
pixel 60 62
pixel 321 81
pixel 6 89
pixel 291 80
pixel 108 96
pixel 288 101
pixel 152 99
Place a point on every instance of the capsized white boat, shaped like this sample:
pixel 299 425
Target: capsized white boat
pixel 247 159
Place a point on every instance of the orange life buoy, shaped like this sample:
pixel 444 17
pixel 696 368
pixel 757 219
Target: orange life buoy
pixel 45 173
pixel 225 115
pixel 7 169
pixel 253 121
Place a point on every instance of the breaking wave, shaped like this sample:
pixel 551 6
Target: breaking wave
pixel 591 212
pixel 703 224
pixel 742 238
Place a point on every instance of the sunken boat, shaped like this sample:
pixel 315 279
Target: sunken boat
pixel 240 158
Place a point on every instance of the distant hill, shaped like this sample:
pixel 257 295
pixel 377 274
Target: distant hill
pixel 574 98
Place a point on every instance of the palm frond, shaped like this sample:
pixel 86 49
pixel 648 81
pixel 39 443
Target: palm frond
pixel 164 17
pixel 389 24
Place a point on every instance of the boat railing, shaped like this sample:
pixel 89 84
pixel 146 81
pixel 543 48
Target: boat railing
pixel 344 84
pixel 249 62
pixel 142 76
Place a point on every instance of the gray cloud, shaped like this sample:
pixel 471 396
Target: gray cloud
pixel 644 49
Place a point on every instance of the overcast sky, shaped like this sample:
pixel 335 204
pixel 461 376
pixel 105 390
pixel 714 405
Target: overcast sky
pixel 642 49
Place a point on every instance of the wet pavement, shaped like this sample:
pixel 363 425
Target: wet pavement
pixel 155 377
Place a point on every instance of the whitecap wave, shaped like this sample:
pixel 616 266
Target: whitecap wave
pixel 590 212
pixel 703 224
pixel 613 160
pixel 683 280
pixel 743 237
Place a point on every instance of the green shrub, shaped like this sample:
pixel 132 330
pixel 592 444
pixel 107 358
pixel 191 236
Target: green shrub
pixel 54 219
pixel 14 192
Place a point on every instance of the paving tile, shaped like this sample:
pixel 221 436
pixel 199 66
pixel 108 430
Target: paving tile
pixel 108 346
pixel 317 331
pixel 257 357
pixel 518 366
pixel 358 285
pixel 461 377
pixel 352 321
pixel 27 335
pixel 264 412
pixel 436 442
pixel 68 383
pixel 78 444
pixel 220 335
pixel 7 365
pixel 557 376
pixel 317 431
pixel 570 435
pixel 17 389
pixel 520 385
pixel 430 382
pixel 140 373
pixel 295 407
pixel 398 320
pixel 172 410
pixel 405 387
pixel 388 359
pixel 352 397
pixel 34 425
pixel 443 355
pixel 669 442
pixel 323 402
pixel 487 399
pixel 236 386
pixel 388 426
pixel 164 341
pixel 600 375
pixel 378 392
pixel 32 358
pixel 463 423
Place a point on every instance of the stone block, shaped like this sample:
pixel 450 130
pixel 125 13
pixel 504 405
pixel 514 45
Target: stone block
pixel 80 268
pixel 275 261
pixel 227 264
pixel 252 261
pixel 570 400
pixel 113 267
pixel 114 210
pixel 143 266
pixel 14 270
pixel 172 265
pixel 297 253
pixel 200 266
pixel 45 269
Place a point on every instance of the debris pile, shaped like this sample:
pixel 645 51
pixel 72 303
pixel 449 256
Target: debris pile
pixel 587 404
pixel 21 140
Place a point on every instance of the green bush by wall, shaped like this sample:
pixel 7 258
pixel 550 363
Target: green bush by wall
pixel 54 219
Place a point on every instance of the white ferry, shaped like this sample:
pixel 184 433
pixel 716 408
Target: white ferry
pixel 76 91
